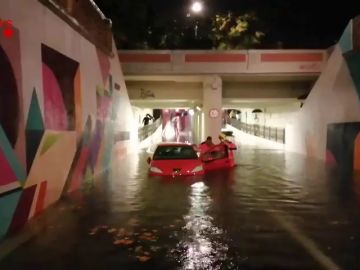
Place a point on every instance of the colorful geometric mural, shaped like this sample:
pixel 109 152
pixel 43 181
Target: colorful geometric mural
pixel 56 152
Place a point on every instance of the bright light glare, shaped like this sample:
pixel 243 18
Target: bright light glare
pixel 198 108
pixel 191 112
pixel 197 7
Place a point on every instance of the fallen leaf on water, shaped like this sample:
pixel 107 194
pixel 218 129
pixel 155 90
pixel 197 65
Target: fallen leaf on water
pixel 143 258
pixel 154 248
pixel 133 222
pixel 112 230
pixel 138 249
pixel 124 242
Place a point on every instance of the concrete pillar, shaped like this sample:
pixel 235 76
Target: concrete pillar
pixel 212 107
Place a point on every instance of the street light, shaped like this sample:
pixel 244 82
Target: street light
pixel 197 7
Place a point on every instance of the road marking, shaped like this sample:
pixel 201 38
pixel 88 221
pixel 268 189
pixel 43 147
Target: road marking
pixel 308 244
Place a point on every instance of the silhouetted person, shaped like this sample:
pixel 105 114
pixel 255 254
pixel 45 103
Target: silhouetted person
pixel 206 145
pixel 147 119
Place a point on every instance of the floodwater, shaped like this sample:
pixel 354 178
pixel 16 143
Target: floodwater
pixel 273 211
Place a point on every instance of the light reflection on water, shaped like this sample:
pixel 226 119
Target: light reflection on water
pixel 202 242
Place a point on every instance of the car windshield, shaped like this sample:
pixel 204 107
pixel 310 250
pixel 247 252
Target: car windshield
pixel 174 152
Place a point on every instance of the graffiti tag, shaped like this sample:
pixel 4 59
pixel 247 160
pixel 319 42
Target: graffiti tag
pixel 6 27
pixel 313 66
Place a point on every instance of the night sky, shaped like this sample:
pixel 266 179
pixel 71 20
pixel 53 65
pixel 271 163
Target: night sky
pixel 295 23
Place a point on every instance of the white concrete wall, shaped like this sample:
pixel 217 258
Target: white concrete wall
pixel 332 100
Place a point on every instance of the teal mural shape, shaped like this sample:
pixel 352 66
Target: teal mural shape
pixel 8 204
pixel 353 62
pixel 34 130
pixel 346 42
pixel 11 157
pixel 34 120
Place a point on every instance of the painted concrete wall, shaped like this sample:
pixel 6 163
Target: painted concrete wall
pixel 64 111
pixel 333 99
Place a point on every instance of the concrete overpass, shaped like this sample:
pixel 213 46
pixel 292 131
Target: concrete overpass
pixel 214 80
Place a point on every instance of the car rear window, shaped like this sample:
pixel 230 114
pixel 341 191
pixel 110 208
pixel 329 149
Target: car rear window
pixel 174 152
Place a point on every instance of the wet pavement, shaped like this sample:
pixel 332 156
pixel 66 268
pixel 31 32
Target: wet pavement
pixel 275 210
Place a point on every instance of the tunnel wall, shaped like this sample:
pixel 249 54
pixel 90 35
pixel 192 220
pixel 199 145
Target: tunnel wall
pixel 327 126
pixel 64 111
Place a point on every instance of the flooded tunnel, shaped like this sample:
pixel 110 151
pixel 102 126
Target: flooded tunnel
pixel 274 210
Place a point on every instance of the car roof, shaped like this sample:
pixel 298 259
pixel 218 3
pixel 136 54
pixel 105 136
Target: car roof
pixel 174 144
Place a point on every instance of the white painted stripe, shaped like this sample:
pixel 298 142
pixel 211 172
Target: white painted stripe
pixel 308 244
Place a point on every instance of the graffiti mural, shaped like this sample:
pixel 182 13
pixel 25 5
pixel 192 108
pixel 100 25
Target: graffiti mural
pixel 33 176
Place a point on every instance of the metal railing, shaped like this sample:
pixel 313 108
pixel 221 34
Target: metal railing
pixel 148 130
pixel 266 132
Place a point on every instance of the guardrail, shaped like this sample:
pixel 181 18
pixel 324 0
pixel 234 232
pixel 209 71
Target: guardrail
pixel 266 132
pixel 148 130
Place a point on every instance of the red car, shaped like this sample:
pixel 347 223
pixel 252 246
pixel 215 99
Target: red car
pixel 219 156
pixel 175 159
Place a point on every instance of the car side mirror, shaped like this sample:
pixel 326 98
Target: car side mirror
pixel 148 160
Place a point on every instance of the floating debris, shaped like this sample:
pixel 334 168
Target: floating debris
pixel 125 242
pixel 112 230
pixel 146 253
pixel 154 231
pixel 154 248
pixel 138 249
pixel 133 222
pixel 143 258
pixel 94 231
pixel 171 226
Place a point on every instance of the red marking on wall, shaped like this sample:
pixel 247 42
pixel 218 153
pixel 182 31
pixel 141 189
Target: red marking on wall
pixel 291 57
pixel 144 58
pixel 7 28
pixel 41 198
pixel 219 57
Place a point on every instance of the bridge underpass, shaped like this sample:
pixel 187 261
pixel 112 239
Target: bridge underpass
pixel 277 95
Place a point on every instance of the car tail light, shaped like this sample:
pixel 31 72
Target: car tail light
pixel 197 169
pixel 155 170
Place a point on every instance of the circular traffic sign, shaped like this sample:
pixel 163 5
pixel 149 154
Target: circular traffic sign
pixel 214 113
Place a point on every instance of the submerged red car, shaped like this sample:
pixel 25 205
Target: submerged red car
pixel 181 159
pixel 175 159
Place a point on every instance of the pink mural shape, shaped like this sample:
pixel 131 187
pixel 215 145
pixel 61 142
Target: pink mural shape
pixel 7 176
pixel 103 107
pixel 330 159
pixel 104 64
pixel 55 110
